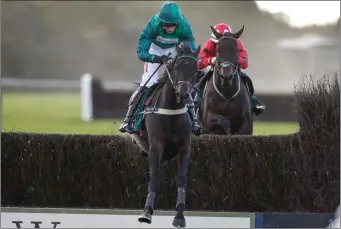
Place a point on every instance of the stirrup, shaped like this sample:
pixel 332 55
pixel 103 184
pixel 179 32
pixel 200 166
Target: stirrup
pixel 196 124
pixel 126 127
pixel 196 129
pixel 260 106
pixel 257 111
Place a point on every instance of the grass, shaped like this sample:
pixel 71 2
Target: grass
pixel 53 112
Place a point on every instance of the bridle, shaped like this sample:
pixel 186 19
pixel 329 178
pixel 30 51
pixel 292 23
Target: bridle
pixel 226 64
pixel 219 72
pixel 171 76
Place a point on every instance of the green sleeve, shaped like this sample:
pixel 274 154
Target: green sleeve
pixel 145 41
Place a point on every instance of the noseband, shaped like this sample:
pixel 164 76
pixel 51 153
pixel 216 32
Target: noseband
pixel 226 64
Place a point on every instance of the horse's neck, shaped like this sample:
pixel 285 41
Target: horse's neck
pixel 167 99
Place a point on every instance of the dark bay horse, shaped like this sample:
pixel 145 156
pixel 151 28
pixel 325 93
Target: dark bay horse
pixel 226 105
pixel 167 128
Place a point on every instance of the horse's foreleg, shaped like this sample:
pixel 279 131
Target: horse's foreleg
pixel 154 169
pixel 183 162
pixel 219 124
pixel 246 127
pixel 226 125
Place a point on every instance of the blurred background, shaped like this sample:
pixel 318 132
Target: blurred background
pixel 47 46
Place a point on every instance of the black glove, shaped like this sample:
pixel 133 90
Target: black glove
pixel 161 59
pixel 200 74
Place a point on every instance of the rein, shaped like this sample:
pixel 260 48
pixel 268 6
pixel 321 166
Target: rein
pixel 170 75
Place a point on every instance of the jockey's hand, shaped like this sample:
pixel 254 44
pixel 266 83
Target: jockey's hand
pixel 212 61
pixel 162 59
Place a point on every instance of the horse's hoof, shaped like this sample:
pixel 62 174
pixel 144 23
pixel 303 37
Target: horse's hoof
pixel 145 218
pixel 179 222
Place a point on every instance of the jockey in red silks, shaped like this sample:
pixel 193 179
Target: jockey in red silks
pixel 207 57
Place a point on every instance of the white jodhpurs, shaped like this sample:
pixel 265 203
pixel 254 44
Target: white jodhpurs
pixel 149 68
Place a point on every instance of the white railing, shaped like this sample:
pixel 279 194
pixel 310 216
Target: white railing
pixel 84 85
pixel 16 83
pixel 39 83
pixel 262 86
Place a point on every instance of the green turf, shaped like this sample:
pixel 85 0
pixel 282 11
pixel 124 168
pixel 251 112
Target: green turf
pixel 61 113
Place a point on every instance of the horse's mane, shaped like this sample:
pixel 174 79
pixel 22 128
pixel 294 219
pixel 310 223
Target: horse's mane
pixel 163 79
pixel 184 48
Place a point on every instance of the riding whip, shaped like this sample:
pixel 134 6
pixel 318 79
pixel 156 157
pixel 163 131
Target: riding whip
pixel 138 92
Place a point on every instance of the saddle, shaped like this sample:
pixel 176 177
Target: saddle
pixel 248 83
pixel 203 77
pixel 144 102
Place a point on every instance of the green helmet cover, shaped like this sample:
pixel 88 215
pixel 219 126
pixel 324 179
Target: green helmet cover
pixel 170 13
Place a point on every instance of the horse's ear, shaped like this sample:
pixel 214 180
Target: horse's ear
pixel 239 33
pixel 197 51
pixel 178 48
pixel 217 35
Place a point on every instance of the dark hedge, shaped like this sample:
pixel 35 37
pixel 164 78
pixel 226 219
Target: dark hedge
pixel 298 172
pixel 253 173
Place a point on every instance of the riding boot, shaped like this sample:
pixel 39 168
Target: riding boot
pixel 126 125
pixel 196 127
pixel 201 87
pixel 258 107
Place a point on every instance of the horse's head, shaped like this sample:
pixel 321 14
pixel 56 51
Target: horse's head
pixel 183 69
pixel 227 55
